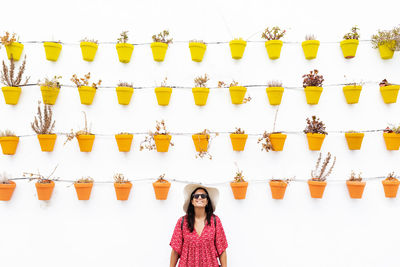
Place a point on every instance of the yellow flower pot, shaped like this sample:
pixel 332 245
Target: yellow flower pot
pixel 124 51
pixel 275 95
pixel 238 141
pixel 349 47
pixel 52 50
pixel 14 49
pixel 86 93
pixel 47 141
pixel 354 140
pixel 9 144
pixel 277 141
pixel 163 95
pixel 315 141
pixel 237 48
pixel 11 94
pixel 385 51
pixel 49 94
pixel 124 95
pixel 237 94
pixel 352 93
pixel 310 48
pixel 162 142
pixel 124 142
pixel 197 51
pixel 392 141
pixel 200 95
pixel 201 142
pixel 313 94
pixel 274 48
pixel 159 50
pixel 89 50
pixel 85 142
pixel 389 93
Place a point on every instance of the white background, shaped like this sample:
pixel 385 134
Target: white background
pixel 297 231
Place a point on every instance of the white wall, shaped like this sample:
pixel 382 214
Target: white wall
pixel 298 231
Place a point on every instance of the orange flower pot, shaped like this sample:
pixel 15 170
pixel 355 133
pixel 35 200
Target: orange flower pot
pixel 124 142
pixel 83 190
pixel 161 189
pixel 85 142
pixel 44 190
pixel 201 142
pixel 9 144
pixel 162 142
pixel 122 190
pixel 317 188
pixel 315 141
pixel 354 140
pixel 277 141
pixel 278 189
pixel 238 141
pixel 392 141
pixel 390 187
pixel 7 190
pixel 239 189
pixel 355 188
pixel 47 141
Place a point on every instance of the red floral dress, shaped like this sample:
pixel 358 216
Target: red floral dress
pixel 199 251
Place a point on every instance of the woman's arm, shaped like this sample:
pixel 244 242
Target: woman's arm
pixel 223 259
pixel 174 258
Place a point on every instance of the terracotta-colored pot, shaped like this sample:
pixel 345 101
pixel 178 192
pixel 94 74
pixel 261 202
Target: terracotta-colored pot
pixel 7 190
pixel 391 187
pixel 317 188
pixel 277 141
pixel 9 144
pixel 44 190
pixel 122 190
pixel 239 189
pixel 83 190
pixel 392 141
pixel 278 189
pixel 355 188
pixel 161 189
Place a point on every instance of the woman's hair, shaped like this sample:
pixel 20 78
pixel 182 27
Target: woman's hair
pixel 190 210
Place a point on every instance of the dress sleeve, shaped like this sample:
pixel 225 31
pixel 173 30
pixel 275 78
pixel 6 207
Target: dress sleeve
pixel 220 239
pixel 176 240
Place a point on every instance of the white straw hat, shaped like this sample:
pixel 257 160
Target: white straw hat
pixel 213 193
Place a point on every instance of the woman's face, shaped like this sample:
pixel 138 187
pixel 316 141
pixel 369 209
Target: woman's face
pixel 200 202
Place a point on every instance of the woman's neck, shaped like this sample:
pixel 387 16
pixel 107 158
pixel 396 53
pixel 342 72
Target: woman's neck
pixel 199 213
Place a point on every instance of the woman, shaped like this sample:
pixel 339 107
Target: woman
pixel 199 238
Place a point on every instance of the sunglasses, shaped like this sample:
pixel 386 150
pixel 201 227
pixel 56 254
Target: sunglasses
pixel 203 196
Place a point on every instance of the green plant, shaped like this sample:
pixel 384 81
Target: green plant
pixel 7 133
pixel 86 39
pixel 353 34
pixel 84 81
pixel 43 123
pixel 162 37
pixel 353 177
pixel 7 39
pixel 312 79
pixel 315 126
pixel 390 38
pixel 275 33
pixel 320 174
pixel 7 74
pixel 54 83
pixel 119 178
pixel 149 142
pixel 201 81
pixel 85 131
pixel 123 37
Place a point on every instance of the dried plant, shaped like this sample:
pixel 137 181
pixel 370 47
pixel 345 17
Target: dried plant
pixel 392 129
pixel 201 153
pixel 164 82
pixel 43 123
pixel 162 37
pixel 313 79
pixel 222 84
pixel 125 84
pixel 123 37
pixel 123 133
pixel 84 81
pixel 85 180
pixel 320 174
pixel 72 134
pixel 391 177
pixel 7 74
pixel 86 39
pixel 275 33
pixel 310 37
pixel 54 83
pixel 238 176
pixel 384 82
pixel 7 133
pixel 7 39
pixel 265 141
pixel 201 81
pixel 353 34
pixel 149 142
pixel 285 180
pixel 40 178
pixel 353 177
pixel 5 178
pixel 119 178
pixel 274 83
pixel 238 131
pixel 352 131
pixel 161 179
pixel 315 126
pixel 197 41
pixel 390 38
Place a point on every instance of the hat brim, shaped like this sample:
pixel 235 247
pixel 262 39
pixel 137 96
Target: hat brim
pixel 213 193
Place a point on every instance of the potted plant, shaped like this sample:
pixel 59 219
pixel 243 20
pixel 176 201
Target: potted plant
pixel 352 92
pixel 163 93
pixel 160 45
pixel 310 46
pixel 86 92
pixel 83 187
pixel 237 47
pixel 43 126
pixel 124 49
pixel 122 186
pixel 237 92
pixel 238 139
pixel 274 140
pixel 278 187
pixel 391 185
pixel 355 185
pixel 273 43
pixel 391 135
pixel 52 50
pixel 124 92
pixel 12 90
pixel 315 131
pixel 89 48
pixel 161 188
pixel 13 46
pixel 202 143
pixel 239 185
pixel 387 41
pixel 274 92
pixel 354 139
pixel 200 91
pixel 50 89
pixel 312 84
pixel 44 186
pixel 350 43
pixel 124 141
pixel 7 187
pixel 160 139
pixel 389 91
pixel 197 49
pixel 85 137
pixel 317 183
pixel 9 142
